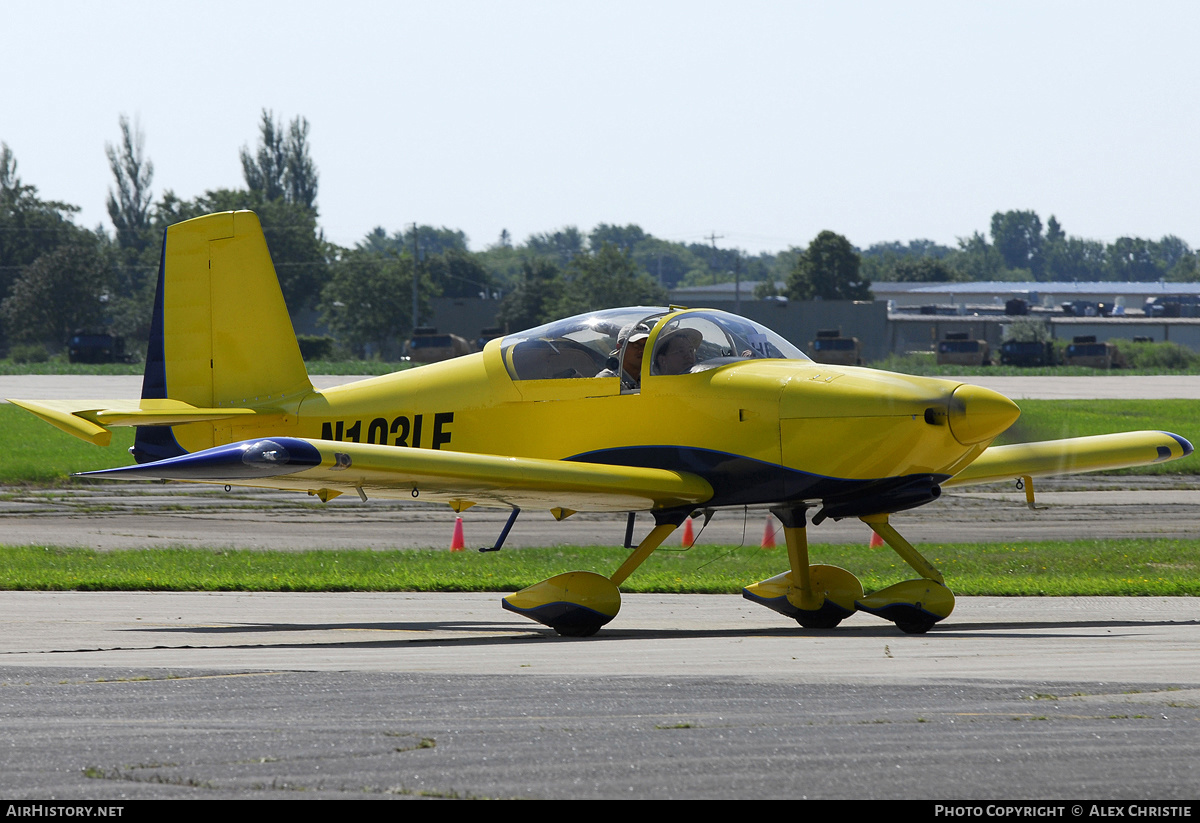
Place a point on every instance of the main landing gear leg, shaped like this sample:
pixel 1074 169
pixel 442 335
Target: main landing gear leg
pixel 913 605
pixel 818 597
pixel 577 604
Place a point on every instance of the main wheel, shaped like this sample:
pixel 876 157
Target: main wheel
pixel 915 626
pixel 817 620
pixel 576 631
pixel 831 613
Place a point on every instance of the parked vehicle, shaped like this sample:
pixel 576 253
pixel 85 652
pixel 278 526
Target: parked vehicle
pixel 958 350
pixel 427 346
pixel 84 347
pixel 1026 353
pixel 833 349
pixel 1085 351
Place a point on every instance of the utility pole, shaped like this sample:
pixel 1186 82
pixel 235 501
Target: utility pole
pixel 737 285
pixel 416 277
pixel 713 237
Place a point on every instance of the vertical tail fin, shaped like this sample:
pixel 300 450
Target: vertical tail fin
pixel 221 335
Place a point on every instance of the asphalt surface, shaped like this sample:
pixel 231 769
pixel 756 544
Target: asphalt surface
pixel 114 696
pixel 279 696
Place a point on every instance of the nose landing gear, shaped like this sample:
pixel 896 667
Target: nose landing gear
pixel 821 597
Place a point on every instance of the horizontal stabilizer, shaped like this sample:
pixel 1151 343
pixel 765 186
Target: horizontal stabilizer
pixel 323 466
pixel 90 420
pixel 1074 455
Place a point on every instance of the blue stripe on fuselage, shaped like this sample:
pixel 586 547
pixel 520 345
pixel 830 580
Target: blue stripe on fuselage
pixel 739 480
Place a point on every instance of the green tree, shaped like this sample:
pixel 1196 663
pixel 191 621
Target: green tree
pixel 1054 231
pixel 667 263
pixel 503 264
pixel 62 291
pixel 263 171
pixel 900 261
pixel 300 173
pixel 670 263
pixel 1187 270
pixel 1017 235
pixel 431 240
pixel 1076 260
pixel 606 278
pixel 8 168
pixel 29 226
pixel 428 240
pixel 1170 252
pixel 977 259
pixel 925 270
pixel 561 246
pixel 718 263
pixel 765 289
pixel 534 298
pixel 1027 330
pixel 367 302
pixel 625 238
pixel 457 273
pixel 30 229
pixel 129 205
pixel 130 208
pixel 281 167
pixel 442 256
pixel 828 270
pixel 1132 259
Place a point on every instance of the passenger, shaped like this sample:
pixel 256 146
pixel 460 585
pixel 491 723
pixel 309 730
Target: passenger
pixel 677 351
pixel 633 339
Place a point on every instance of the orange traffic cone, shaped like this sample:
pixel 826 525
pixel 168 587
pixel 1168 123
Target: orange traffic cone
pixel 456 543
pixel 876 540
pixel 689 539
pixel 768 541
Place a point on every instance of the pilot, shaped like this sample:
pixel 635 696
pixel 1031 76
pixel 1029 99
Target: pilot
pixel 633 339
pixel 676 353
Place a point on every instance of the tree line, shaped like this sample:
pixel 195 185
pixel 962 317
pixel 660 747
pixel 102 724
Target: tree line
pixel 1021 250
pixel 57 277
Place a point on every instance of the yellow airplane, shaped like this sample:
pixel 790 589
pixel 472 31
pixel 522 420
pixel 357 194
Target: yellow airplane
pixel 660 410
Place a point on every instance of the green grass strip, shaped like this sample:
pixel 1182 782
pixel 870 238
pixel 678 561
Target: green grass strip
pixel 1055 419
pixel 1056 568
pixel 36 452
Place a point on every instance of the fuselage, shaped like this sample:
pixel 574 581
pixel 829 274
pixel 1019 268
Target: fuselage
pixel 759 429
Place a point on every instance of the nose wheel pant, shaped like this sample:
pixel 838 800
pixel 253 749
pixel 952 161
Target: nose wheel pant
pixel 820 597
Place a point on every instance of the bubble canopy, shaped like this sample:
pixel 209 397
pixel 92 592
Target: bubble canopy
pixel 587 344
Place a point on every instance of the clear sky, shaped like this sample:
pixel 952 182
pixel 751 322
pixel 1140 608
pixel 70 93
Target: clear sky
pixel 761 122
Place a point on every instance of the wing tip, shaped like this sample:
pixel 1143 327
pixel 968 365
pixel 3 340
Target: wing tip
pixel 1183 443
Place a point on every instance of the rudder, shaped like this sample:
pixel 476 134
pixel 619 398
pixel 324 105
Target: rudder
pixel 221 335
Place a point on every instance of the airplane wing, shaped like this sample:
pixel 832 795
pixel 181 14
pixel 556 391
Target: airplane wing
pixel 1072 456
pixel 327 468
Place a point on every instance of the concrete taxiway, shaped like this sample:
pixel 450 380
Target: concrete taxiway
pixel 136 695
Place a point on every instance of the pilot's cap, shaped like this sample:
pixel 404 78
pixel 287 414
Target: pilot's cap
pixel 630 333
